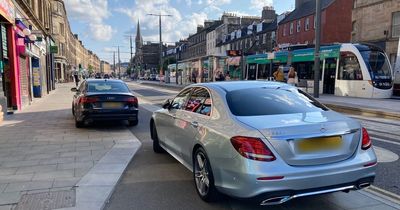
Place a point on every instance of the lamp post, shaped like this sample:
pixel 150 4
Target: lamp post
pixel 161 45
pixel 317 48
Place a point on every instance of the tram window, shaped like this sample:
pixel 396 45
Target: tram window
pixel 349 68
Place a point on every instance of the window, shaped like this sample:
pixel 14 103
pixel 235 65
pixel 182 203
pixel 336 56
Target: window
pixel 101 87
pixel 264 38
pixel 315 22
pixel 307 25
pixel 181 99
pixel 349 67
pixel 253 102
pixel 353 27
pixel 62 29
pixel 298 26
pixel 199 102
pixel 396 24
pixel 291 28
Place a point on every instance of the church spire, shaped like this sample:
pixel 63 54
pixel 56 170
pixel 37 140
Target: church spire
pixel 138 34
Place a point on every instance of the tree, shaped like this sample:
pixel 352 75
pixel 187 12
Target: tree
pixel 90 69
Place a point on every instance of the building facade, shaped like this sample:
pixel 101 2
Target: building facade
pixel 298 27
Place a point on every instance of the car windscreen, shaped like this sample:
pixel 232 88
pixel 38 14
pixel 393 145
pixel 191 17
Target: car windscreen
pixel 271 101
pixel 107 86
pixel 377 64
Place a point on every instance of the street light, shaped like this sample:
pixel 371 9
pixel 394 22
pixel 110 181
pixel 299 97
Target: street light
pixel 161 45
pixel 317 46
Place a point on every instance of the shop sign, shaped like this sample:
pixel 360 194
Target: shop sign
pixel 7 10
pixel 4 41
pixel 53 49
pixel 233 53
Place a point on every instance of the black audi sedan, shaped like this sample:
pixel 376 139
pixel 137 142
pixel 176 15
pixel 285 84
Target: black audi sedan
pixel 102 100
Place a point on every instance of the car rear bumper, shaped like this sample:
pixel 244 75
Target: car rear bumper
pixel 97 115
pixel 244 182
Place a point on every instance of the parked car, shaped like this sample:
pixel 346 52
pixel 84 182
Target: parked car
pixel 106 76
pixel 152 77
pixel 265 141
pixel 100 100
pixel 157 77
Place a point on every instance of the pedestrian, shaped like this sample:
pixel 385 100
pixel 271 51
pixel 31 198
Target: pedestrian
pixel 76 78
pixel 221 76
pixel 227 76
pixel 292 77
pixel 278 75
pixel 217 76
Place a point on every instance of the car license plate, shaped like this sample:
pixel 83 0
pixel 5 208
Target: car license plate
pixel 112 105
pixel 319 144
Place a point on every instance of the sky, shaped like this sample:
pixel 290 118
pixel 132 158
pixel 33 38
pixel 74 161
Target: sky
pixel 104 24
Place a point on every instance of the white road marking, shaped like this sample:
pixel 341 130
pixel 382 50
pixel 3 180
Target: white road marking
pixel 385 156
pixel 387 141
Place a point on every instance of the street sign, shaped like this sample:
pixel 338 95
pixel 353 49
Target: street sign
pixel 53 49
pixel 234 53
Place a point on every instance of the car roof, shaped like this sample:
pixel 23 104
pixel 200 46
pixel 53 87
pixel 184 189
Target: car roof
pixel 237 85
pixel 105 80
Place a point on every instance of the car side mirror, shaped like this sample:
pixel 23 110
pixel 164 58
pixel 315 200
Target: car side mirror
pixel 166 104
pixel 74 89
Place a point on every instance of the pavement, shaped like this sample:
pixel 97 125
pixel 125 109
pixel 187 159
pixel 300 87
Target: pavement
pixel 384 108
pixel 47 163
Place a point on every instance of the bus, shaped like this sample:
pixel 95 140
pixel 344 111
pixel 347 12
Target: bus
pixel 355 70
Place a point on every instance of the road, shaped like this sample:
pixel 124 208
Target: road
pixel 158 181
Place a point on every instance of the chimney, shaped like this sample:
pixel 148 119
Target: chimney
pixel 199 28
pixel 268 14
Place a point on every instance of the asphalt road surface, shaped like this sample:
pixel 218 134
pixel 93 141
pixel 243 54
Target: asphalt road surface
pixel 158 181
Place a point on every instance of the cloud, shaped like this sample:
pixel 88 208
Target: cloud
pixel 173 28
pixel 259 4
pixel 93 13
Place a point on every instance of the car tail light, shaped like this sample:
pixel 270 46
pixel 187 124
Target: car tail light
pixel 132 100
pixel 366 141
pixel 252 148
pixel 88 100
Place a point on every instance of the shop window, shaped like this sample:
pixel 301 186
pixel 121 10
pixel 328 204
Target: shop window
pixel 349 68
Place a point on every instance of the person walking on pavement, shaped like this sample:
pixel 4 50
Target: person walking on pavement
pixel 292 77
pixel 76 78
pixel 278 75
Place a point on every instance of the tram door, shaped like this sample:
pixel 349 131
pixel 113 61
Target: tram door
pixel 329 76
pixel 252 72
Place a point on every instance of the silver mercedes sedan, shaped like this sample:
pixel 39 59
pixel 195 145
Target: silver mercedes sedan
pixel 264 141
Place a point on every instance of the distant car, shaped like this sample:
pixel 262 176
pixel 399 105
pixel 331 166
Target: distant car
pixel 101 100
pixel 264 141
pixel 157 77
pixel 152 77
pixel 106 76
pixel 97 76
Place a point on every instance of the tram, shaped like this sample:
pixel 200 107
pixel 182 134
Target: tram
pixel 355 70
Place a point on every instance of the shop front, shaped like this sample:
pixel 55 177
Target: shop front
pixel 8 74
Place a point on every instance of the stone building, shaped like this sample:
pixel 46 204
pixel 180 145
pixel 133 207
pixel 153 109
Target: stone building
pixel 377 22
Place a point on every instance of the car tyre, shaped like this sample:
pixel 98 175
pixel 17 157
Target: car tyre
pixel 73 110
pixel 156 143
pixel 203 177
pixel 79 124
pixel 133 122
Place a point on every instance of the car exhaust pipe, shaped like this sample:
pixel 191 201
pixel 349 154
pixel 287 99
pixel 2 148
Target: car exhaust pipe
pixel 282 199
pixel 275 200
pixel 364 185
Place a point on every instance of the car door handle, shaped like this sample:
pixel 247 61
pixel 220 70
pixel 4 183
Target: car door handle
pixel 173 116
pixel 195 124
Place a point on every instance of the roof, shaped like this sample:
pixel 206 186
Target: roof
pixel 105 80
pixel 305 9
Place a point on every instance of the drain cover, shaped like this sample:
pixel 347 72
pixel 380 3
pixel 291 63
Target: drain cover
pixel 47 200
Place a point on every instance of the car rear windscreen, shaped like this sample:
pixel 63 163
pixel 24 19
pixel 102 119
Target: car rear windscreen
pixel 271 101
pixel 107 86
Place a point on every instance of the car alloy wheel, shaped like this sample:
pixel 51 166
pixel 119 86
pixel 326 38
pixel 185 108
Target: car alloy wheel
pixel 203 176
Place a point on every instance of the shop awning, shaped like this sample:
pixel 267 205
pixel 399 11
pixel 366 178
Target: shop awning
pixel 280 57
